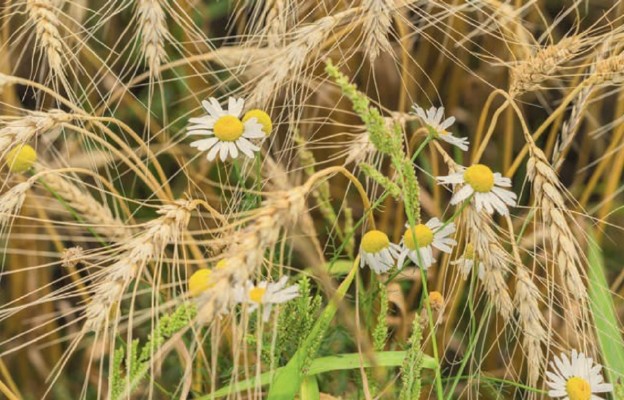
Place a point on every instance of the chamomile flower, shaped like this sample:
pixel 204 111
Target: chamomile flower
pixel 485 185
pixel 418 242
pixel 265 294
pixel 228 135
pixel 433 118
pixel 200 281
pixel 467 261
pixel 377 252
pixel 576 378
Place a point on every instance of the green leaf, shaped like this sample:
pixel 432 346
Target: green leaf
pixel 327 364
pixel 288 380
pixel 603 309
pixel 309 389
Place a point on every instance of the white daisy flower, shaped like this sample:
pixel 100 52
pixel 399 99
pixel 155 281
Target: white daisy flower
pixel 576 378
pixel 265 294
pixel 377 252
pixel 433 119
pixel 227 133
pixel 486 186
pixel 421 240
pixel 467 261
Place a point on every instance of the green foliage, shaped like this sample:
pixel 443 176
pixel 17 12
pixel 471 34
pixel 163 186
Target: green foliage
pixel 138 361
pixel 383 181
pixel 605 315
pixel 412 365
pixel 387 140
pixel 321 193
pixel 340 362
pixel 297 319
pixel 287 381
pixel 384 140
pixel 380 333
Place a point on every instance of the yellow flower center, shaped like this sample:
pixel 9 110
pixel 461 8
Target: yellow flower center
pixel 480 178
pixel 228 128
pixel 375 241
pixel 422 234
pixel 221 264
pixel 578 389
pixel 256 294
pixel 263 119
pixel 469 253
pixel 200 281
pixel 21 158
pixel 436 300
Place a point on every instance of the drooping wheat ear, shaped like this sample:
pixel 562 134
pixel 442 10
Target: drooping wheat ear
pixel 11 202
pixel 248 245
pixel 571 126
pixel 532 72
pixel 609 71
pixel 98 217
pixel 46 23
pixel 565 248
pixel 138 252
pixel 276 22
pixel 152 33
pixel 22 130
pixel 495 259
pixel 294 56
pixel 526 300
pixel 377 27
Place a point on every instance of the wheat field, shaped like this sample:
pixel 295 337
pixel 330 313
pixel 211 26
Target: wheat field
pixel 312 199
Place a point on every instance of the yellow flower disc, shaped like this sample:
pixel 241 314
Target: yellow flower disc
pixel 480 177
pixel 200 281
pixel 436 300
pixel 578 389
pixel 375 241
pixel 228 128
pixel 263 119
pixel 256 294
pixel 423 235
pixel 21 158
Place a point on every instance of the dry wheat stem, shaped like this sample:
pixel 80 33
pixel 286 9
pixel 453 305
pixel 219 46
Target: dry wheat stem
pixel 144 248
pixel 98 216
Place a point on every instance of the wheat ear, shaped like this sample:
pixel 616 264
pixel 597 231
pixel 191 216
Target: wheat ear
pixel 144 248
pixel 46 23
pixel 152 32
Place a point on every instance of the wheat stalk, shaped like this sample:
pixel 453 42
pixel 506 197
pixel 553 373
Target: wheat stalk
pixel 609 71
pixel 11 202
pixel 532 72
pixel 22 130
pixel 152 32
pixel 246 252
pixel 548 196
pixel 495 259
pixel 42 13
pixel 377 14
pixel 144 248
pixel 99 217
pixel 532 322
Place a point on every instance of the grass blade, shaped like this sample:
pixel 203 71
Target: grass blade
pixel 603 309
